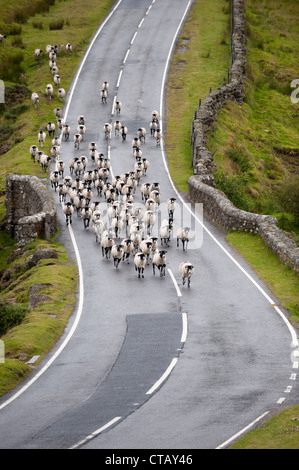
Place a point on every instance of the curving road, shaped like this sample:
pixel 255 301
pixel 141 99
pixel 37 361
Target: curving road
pixel 148 363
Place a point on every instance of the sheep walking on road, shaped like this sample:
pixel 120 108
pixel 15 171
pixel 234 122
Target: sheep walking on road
pixel 186 270
pixel 118 106
pixel 183 235
pixel 159 261
pixel 68 212
pixel 107 243
pixel 140 262
pixel 117 253
pixel 128 247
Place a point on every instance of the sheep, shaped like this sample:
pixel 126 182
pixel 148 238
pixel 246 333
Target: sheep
pixel 156 196
pixel 107 130
pixel 150 219
pixel 124 131
pixel 87 194
pixel 49 91
pixel 140 262
pixel 86 214
pixel 150 204
pixel 141 133
pixel 78 167
pixel 66 130
pixel 35 99
pixel 81 120
pixel 145 191
pixel 54 178
pixel 33 151
pixel 117 224
pixel 61 94
pixel 56 79
pixel 51 129
pixel 2 36
pixel 67 180
pixel 118 106
pixel 186 270
pixel 171 205
pixel 165 232
pixel 62 192
pixel 60 123
pixel 68 47
pixel 153 127
pixel 136 143
pixel 146 248
pixel 136 238
pixel 117 127
pixel 79 203
pixel 145 165
pixel 117 253
pixel 183 235
pixel 158 136
pixel 38 156
pixel 41 138
pixel 155 116
pixel 96 215
pixel 58 112
pixel 159 261
pixel 128 248
pixel 77 140
pixel 54 70
pixel 104 173
pixel 45 162
pixel 104 96
pixel 81 129
pixel 106 243
pixel 68 212
pixel 37 54
pixel 98 228
pixel 105 86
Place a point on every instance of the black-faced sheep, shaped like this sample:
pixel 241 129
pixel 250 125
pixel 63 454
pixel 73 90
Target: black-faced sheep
pixel 117 253
pixel 183 235
pixel 49 91
pixel 159 261
pixel 186 270
pixel 106 243
pixel 54 178
pixel 41 138
pixel 35 99
pixel 68 212
pixel 128 248
pixel 140 263
pixel 61 94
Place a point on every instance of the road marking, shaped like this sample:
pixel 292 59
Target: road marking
pixel 133 38
pixel 139 26
pixel 288 389
pixel 242 431
pixel 175 283
pixel 96 433
pixel 281 400
pixel 163 377
pixel 185 327
pixel 126 56
pixel 119 77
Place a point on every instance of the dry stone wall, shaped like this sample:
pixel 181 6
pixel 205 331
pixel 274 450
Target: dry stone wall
pixel 30 209
pixel 201 185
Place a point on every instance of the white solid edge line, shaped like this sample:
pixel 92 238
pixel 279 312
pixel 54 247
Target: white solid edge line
pixel 295 341
pixel 175 283
pixel 163 377
pixel 238 434
pixel 185 327
pixel 81 287
pixel 96 433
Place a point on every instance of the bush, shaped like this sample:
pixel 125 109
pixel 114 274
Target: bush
pixel 288 196
pixel 10 316
pixel 234 187
pixel 57 24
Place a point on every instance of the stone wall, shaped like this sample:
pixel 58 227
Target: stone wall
pixel 30 209
pixel 201 186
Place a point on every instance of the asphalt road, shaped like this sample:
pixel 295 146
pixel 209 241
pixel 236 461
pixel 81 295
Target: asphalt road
pixel 148 363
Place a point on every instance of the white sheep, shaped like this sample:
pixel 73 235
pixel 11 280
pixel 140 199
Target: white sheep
pixel 156 196
pixel 104 96
pixel 96 214
pixel 150 220
pixel 136 143
pixel 87 194
pixel 68 47
pixel 145 191
pixel 153 127
pixel 105 86
pixel 45 162
pixel 37 54
pixel 41 138
pixel 171 205
pixel 141 133
pixel 49 91
pixel 54 178
pixel 51 128
pixel 150 204
pixel 56 79
pixel 159 261
pixel 81 129
pixel 60 165
pixel 107 130
pixel 79 203
pixel 33 151
pixel 77 140
pixel 54 69
pixel 140 263
pixel 124 132
pixel 61 94
pixel 86 214
pixel 2 36
pixel 117 127
pixel 35 99
pixel 166 232
pixel 146 248
pixel 117 253
pixel 118 106
pixel 62 192
pixel 186 270
pixel 155 116
pixel 81 120
pixel 68 212
pixel 107 243
pixel 158 136
pixel 98 228
pixel 183 235
pixel 128 248
pixel 66 130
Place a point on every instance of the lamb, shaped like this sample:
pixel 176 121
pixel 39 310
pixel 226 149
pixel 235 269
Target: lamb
pixel 186 270
pixel 183 235
pixel 35 99
pixel 61 94
pixel 140 262
pixel 41 138
pixel 49 91
pixel 98 228
pixel 106 243
pixel 117 253
pixel 159 261
pixel 68 212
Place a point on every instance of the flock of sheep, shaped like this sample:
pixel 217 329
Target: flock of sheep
pixel 76 189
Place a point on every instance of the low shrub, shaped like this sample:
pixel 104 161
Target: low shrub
pixel 10 316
